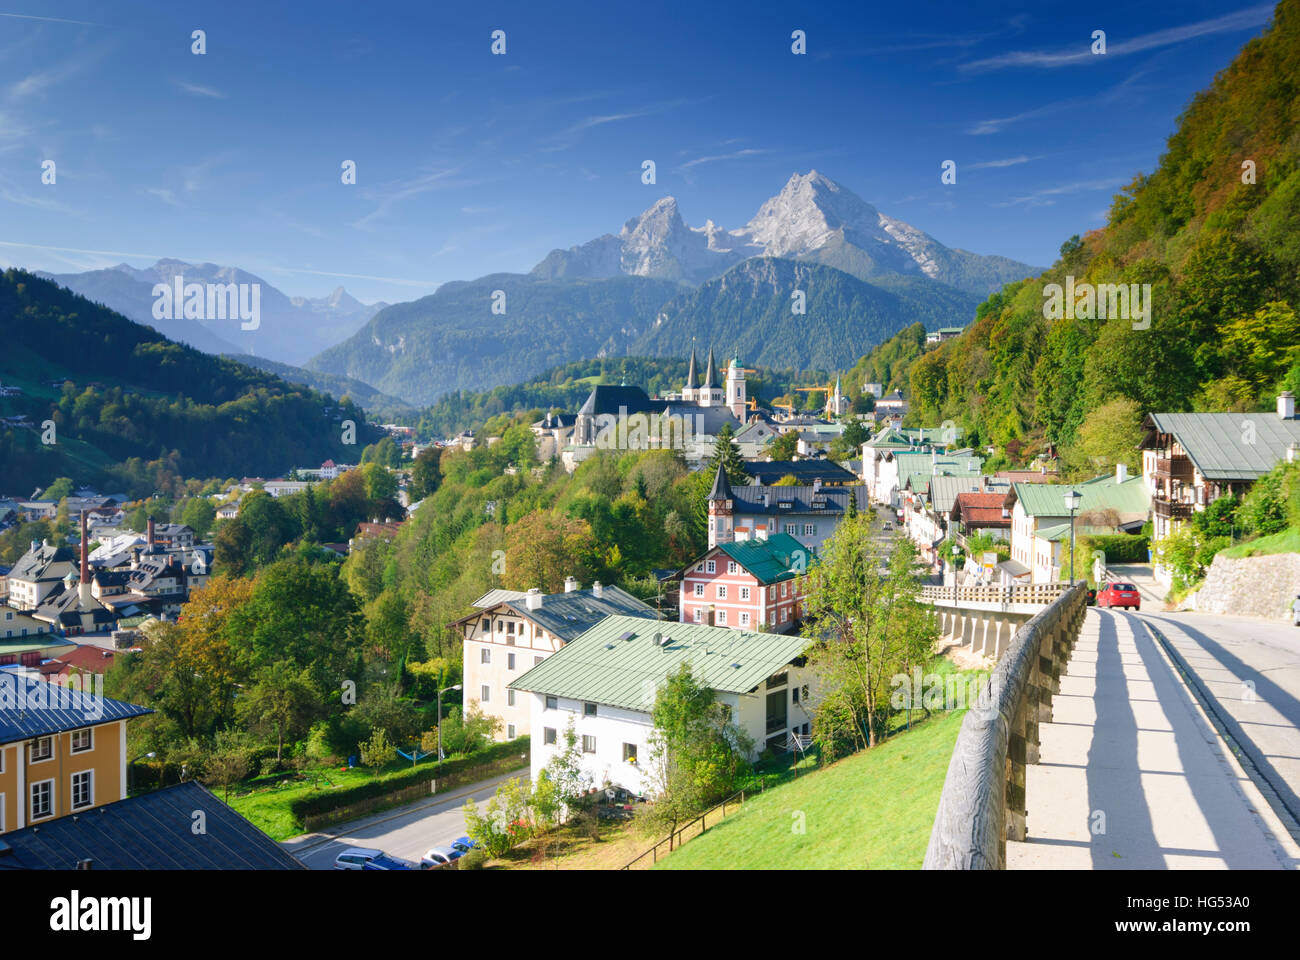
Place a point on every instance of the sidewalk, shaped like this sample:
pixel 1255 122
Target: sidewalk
pixel 1133 776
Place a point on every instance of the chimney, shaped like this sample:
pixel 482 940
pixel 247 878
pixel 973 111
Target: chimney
pixel 570 584
pixel 597 590
pixel 1293 452
pixel 1286 405
pixel 149 536
pixel 85 543
pixel 534 598
pixel 1121 472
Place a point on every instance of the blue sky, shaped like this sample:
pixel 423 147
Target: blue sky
pixel 469 163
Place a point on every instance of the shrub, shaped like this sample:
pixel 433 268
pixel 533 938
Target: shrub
pixel 474 860
pixel 377 752
pixel 1120 547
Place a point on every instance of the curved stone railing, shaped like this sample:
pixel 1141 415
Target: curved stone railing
pixel 983 800
pixel 1017 593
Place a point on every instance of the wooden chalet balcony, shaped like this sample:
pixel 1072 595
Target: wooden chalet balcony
pixel 1174 468
pixel 1172 509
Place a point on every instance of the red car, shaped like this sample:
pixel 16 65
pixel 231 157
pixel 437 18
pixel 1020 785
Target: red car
pixel 1119 595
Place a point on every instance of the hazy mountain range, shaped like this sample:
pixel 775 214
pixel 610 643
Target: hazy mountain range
pixel 291 329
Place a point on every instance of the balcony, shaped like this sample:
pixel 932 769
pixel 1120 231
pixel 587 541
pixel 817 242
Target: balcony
pixel 1174 468
pixel 1172 509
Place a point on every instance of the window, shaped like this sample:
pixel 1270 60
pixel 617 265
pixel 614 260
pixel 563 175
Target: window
pixel 41 749
pixel 629 753
pixel 510 731
pixel 722 616
pixel 710 566
pixel 785 614
pixel 485 655
pixel 778 679
pixel 548 734
pixel 485 693
pixel 792 528
pixel 588 744
pixel 794 695
pixel 699 589
pixel 744 593
pixel 810 529
pixel 731 566
pixel 83 793
pixel 510 700
pixel 552 704
pixel 722 593
pixel 510 628
pixel 744 618
pixel 699 614
pixel 588 709
pixel 42 799
pixel 510 661
pixel 81 740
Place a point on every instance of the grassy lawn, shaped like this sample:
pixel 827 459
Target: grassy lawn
pixel 871 810
pixel 569 849
pixel 266 805
pixel 1288 541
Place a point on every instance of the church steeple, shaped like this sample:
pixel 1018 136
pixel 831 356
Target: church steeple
pixel 711 375
pixel 691 380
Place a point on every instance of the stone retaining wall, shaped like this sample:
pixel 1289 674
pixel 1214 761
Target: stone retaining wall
pixel 1250 586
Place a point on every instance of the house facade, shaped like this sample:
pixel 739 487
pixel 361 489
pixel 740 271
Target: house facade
pixel 511 632
pixel 56 761
pixel 746 585
pixel 810 514
pixel 1189 460
pixel 604 684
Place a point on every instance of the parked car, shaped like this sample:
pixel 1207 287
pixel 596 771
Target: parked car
pixel 440 856
pixel 385 862
pixel 1119 595
pixel 464 845
pixel 356 858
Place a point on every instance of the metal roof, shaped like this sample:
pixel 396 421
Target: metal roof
pixel 617 662
pixel 1228 446
pixel 33 708
pixel 827 471
pixel 1130 499
pixel 800 500
pixel 153 831
pixel 771 560
pixel 494 597
pixel 565 615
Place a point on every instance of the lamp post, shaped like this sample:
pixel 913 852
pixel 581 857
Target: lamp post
pixel 130 770
pixel 455 686
pixel 1072 501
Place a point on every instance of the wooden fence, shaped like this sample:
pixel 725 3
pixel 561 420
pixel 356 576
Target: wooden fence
pixel 983 800
pixel 686 832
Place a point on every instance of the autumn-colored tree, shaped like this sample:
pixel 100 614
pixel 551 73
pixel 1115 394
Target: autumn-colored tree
pixel 542 549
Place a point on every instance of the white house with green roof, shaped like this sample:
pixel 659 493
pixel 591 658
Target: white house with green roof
pixel 605 681
pixel 1040 522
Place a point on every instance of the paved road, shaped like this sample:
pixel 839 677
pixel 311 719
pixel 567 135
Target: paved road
pixel 1132 776
pixel 405 832
pixel 1250 668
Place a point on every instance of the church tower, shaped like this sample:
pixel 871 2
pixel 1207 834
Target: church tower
pixel 838 404
pixel 692 382
pixel 721 505
pixel 710 395
pixel 736 398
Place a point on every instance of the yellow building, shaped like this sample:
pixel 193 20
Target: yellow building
pixel 62 750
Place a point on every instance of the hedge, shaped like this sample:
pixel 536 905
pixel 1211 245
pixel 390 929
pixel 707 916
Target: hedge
pixel 1121 547
pixel 326 800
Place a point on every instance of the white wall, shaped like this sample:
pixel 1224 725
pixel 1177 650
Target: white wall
pixel 612 727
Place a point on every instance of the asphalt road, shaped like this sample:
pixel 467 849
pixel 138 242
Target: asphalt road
pixel 405 832
pixel 1250 669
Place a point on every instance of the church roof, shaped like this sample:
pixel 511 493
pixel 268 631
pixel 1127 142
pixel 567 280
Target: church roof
pixel 711 375
pixel 609 398
pixel 692 381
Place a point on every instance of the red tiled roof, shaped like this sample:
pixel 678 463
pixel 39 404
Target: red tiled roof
pixel 981 509
pixel 89 658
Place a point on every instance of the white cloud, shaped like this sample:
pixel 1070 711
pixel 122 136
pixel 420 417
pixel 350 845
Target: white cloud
pixel 200 91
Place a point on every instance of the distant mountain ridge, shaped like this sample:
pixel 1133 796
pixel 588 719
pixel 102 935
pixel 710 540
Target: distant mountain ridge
pixel 659 282
pixel 291 329
pixel 812 218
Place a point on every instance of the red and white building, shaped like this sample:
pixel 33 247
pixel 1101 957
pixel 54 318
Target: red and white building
pixel 747 585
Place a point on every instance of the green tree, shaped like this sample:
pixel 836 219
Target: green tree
pixel 199 514
pixel 59 489
pixel 783 446
pixel 426 474
pixel 697 754
pixel 280 702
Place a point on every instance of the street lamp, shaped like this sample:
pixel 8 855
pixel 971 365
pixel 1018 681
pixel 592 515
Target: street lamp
pixel 130 771
pixel 455 686
pixel 1072 501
